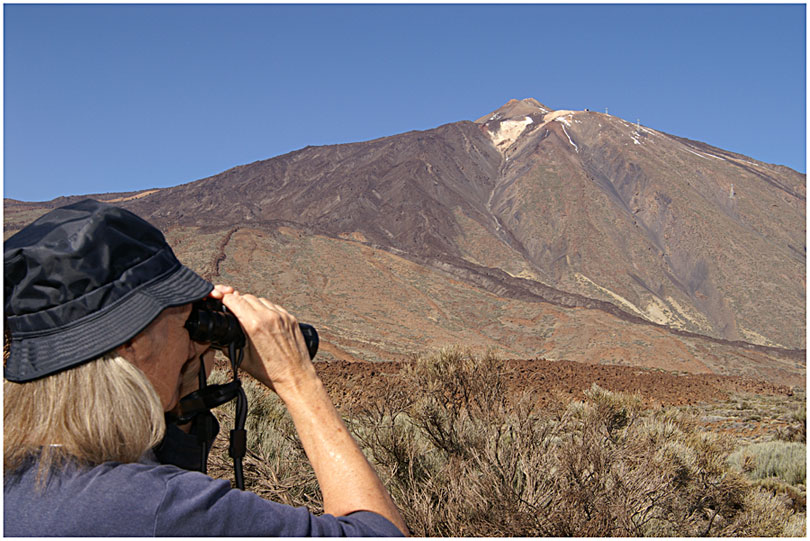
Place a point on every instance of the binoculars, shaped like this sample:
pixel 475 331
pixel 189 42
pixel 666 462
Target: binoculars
pixel 210 321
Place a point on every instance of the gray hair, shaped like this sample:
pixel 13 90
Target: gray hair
pixel 103 410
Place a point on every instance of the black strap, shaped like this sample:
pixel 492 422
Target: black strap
pixel 238 446
pixel 205 399
pixel 210 396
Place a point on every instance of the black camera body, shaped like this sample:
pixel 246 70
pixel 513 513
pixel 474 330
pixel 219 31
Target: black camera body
pixel 210 321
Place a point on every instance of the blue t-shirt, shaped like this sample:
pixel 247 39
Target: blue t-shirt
pixel 152 499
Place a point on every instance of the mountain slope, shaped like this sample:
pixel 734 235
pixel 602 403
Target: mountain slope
pixel 529 208
pixel 674 231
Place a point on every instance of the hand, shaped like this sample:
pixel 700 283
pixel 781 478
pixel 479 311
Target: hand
pixel 276 353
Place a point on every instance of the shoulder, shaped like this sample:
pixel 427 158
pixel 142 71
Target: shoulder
pixel 197 505
pixel 108 499
pixel 158 500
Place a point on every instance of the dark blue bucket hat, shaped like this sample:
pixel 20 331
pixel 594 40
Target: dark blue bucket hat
pixel 82 280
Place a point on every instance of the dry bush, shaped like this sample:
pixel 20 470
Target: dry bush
pixel 786 461
pixel 797 428
pixel 762 515
pixel 275 466
pixel 463 458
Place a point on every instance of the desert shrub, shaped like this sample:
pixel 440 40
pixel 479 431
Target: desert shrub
pixel 797 430
pixel 275 466
pixel 795 422
pixel 461 456
pixel 762 515
pixel 784 460
pixel 794 497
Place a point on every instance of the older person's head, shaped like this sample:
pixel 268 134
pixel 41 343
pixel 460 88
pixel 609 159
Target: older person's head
pixel 95 303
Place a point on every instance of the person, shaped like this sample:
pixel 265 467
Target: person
pixel 96 354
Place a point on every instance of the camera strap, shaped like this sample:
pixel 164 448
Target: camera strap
pixel 208 397
pixel 204 399
pixel 238 439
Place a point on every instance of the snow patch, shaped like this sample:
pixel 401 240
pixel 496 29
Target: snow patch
pixel 569 139
pixel 558 114
pixel 566 121
pixel 704 155
pixel 696 154
pixel 509 131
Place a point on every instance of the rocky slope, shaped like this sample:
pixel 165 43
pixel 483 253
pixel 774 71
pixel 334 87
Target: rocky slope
pixel 563 234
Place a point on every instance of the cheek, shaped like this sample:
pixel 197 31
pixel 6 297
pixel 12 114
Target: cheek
pixel 176 356
pixel 170 387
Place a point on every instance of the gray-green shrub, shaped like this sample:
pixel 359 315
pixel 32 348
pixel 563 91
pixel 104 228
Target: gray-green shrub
pixel 461 457
pixel 784 460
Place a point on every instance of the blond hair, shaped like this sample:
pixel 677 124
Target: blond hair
pixel 99 411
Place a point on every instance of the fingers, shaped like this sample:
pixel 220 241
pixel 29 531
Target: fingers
pixel 251 308
pixel 220 290
pixel 277 351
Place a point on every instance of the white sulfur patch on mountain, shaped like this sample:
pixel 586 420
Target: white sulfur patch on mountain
pixel 509 131
pixel 506 124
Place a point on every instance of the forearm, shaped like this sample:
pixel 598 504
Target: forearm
pixel 347 481
pixel 277 356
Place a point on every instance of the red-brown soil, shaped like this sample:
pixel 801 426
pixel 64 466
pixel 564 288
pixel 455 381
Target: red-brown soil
pixel 353 383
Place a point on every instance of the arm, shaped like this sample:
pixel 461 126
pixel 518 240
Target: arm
pixel 277 356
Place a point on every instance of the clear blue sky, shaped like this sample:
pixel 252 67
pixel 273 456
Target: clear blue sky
pixel 105 98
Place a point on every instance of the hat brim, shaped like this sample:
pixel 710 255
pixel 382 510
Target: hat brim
pixel 37 356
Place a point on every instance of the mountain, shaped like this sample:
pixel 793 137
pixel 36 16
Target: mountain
pixel 544 233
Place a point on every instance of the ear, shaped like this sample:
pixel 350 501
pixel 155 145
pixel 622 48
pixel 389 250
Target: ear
pixel 126 350
pixel 131 350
